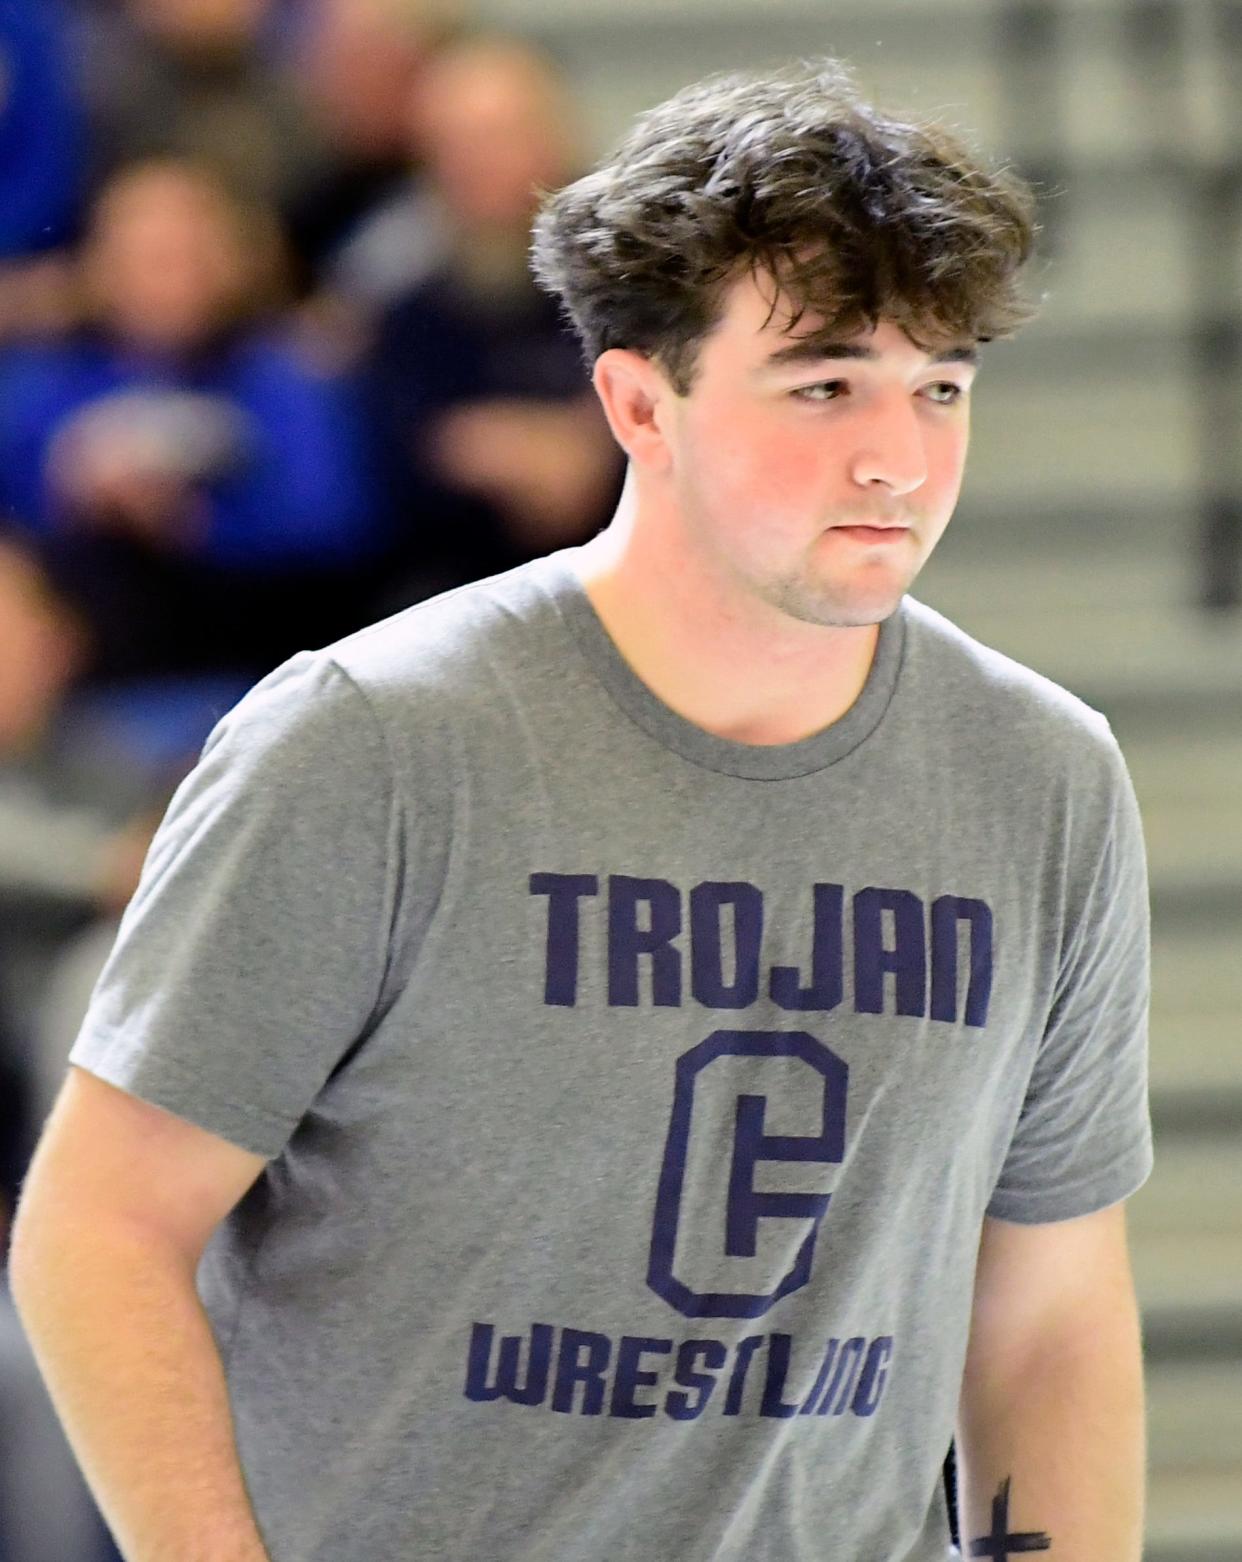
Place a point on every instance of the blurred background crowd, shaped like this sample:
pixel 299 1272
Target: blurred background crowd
pixel 271 367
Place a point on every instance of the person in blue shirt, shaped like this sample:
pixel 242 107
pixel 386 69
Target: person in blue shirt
pixel 43 149
pixel 183 453
pixel 42 144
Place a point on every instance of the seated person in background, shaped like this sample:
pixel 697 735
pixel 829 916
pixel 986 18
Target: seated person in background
pixel 42 172
pixel 204 481
pixel 194 79
pixel 496 453
pixel 366 226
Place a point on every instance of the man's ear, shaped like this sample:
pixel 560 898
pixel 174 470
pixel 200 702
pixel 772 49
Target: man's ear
pixel 636 398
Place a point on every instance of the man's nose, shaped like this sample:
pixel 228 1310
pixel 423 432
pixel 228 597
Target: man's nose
pixel 890 452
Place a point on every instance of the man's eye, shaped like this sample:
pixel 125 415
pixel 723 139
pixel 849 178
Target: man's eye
pixel 944 392
pixel 822 390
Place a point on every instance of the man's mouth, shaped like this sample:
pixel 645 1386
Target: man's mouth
pixel 878 532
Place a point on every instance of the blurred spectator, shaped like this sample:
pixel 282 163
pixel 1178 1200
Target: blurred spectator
pixel 358 64
pixel 42 174
pixel 74 818
pixel 194 79
pixel 497 448
pixel 72 833
pixel 82 785
pixel 193 469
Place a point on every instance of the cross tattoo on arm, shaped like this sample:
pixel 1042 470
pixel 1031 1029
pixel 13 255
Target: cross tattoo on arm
pixel 1000 1545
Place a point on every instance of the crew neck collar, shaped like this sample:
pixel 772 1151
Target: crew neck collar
pixel 751 761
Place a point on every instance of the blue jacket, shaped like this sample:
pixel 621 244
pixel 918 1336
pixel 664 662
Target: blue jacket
pixel 301 492
pixel 42 141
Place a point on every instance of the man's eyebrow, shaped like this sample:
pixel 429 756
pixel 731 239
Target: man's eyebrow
pixel 807 350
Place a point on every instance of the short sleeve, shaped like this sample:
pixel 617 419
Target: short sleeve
pixel 252 956
pixel 1083 1139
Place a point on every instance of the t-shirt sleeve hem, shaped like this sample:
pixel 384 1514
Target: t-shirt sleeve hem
pixel 1124 1177
pixel 178 1089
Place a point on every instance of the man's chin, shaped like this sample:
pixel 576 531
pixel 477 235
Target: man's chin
pixel 852 606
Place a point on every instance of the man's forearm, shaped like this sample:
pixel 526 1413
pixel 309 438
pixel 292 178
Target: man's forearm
pixel 135 1375
pixel 1051 1447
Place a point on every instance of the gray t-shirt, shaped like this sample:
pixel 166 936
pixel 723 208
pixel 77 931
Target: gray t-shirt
pixel 633 1097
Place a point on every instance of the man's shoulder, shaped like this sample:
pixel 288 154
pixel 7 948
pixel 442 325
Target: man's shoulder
pixel 459 645
pixel 398 685
pixel 1003 702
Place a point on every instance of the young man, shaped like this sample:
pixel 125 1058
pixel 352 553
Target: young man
pixel 655 1040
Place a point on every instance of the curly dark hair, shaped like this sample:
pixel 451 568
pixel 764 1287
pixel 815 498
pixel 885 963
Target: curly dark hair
pixel 857 216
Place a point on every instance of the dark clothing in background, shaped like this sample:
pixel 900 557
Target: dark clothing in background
pixel 42 140
pixel 445 345
pixel 326 213
pixel 16 1133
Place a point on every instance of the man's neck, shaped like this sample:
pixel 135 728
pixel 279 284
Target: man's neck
pixel 737 670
